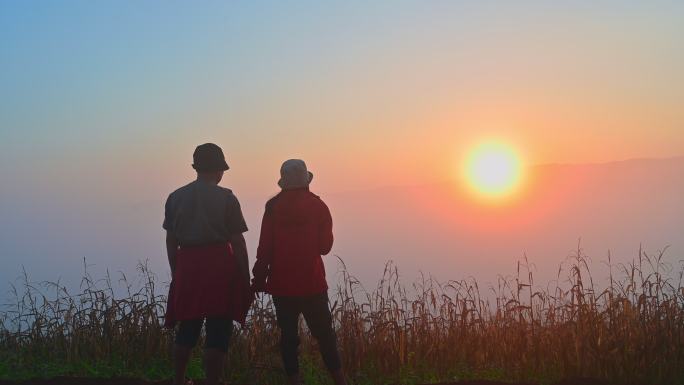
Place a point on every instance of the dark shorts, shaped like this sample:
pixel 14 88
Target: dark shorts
pixel 218 332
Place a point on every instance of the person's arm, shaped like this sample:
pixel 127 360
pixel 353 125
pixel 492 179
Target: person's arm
pixel 240 251
pixel 325 231
pixel 264 255
pixel 171 240
pixel 171 250
pixel 235 223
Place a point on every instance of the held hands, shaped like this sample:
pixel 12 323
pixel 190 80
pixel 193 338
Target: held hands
pixel 260 271
pixel 258 285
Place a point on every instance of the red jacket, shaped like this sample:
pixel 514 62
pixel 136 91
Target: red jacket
pixel 296 230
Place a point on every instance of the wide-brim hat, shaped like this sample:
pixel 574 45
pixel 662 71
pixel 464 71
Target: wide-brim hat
pixel 294 174
pixel 209 157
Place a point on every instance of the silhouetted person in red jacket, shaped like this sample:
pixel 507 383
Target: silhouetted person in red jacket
pixel 296 230
pixel 208 260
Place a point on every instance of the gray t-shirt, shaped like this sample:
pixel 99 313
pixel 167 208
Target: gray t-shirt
pixel 202 213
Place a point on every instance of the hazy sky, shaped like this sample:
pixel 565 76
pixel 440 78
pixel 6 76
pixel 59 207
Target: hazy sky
pixel 102 103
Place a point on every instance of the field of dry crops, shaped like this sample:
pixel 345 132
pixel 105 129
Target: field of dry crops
pixel 132 381
pixel 631 331
pixel 129 381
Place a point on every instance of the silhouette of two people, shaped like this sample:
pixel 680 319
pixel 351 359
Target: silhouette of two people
pixel 208 258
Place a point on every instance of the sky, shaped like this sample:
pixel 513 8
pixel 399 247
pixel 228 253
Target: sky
pixel 102 103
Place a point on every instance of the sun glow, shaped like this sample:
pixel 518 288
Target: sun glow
pixel 493 170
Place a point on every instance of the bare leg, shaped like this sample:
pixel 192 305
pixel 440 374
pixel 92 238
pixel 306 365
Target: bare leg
pixel 181 356
pixel 338 377
pixel 213 361
pixel 294 379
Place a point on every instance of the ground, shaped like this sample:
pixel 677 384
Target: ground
pixel 128 381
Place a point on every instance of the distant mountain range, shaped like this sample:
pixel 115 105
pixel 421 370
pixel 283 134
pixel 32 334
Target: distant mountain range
pixel 436 229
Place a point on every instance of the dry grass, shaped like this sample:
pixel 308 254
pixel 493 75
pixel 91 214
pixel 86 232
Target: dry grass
pixel 630 331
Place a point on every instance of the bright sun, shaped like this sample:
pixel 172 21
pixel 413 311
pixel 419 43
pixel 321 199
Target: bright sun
pixel 493 170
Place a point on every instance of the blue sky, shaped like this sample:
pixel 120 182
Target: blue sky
pixel 79 73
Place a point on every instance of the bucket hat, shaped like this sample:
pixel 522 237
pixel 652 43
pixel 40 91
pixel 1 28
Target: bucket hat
pixel 209 157
pixel 293 174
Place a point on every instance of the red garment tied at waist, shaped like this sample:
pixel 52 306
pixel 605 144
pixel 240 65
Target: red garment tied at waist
pixel 207 283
